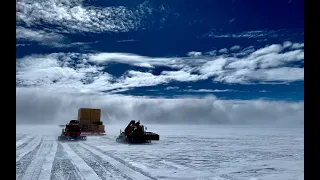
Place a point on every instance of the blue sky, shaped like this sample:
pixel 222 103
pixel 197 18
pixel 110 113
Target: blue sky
pixel 172 51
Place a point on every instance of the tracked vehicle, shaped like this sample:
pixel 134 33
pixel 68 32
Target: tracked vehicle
pixel 90 123
pixel 136 133
pixel 72 131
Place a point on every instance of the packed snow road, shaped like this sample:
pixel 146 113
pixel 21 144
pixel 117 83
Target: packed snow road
pixel 183 152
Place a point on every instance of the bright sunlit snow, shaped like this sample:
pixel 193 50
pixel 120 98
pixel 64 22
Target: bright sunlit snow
pixel 183 152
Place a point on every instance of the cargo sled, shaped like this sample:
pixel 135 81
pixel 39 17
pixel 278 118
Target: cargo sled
pixel 90 122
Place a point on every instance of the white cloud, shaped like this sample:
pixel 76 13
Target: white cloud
pixel 73 16
pixel 234 48
pixel 245 51
pixel 275 48
pixel 245 69
pixel 38 36
pixel 297 45
pixel 55 72
pixel 268 59
pixel 214 67
pixel 18 45
pixel 182 76
pixel 281 74
pixel 275 60
pixel 194 53
pixel 287 44
pixel 171 88
pixel 211 53
pixel 245 34
pixel 85 72
pixel 140 79
pixel 58 73
pixel 41 106
pixel 128 58
pixel 263 75
pixel 208 90
pixel 133 59
pixel 249 34
pixel 250 63
pixel 224 50
pixel 128 40
pixel 45 38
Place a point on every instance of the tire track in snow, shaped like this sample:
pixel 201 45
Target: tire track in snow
pixel 106 140
pixel 174 163
pixel 128 169
pixel 23 138
pixel 49 158
pixel 151 161
pixel 62 167
pixel 157 162
pixel 20 136
pixel 110 139
pixel 103 168
pixel 28 148
pixel 84 170
pixel 41 165
pixel 24 141
pixel 154 161
pixel 24 162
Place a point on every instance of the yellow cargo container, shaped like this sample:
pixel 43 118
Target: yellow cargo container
pixel 88 114
pixel 101 127
pixel 95 115
pixel 89 119
pixel 83 121
pixel 84 114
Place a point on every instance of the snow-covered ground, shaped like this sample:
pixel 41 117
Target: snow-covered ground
pixel 183 152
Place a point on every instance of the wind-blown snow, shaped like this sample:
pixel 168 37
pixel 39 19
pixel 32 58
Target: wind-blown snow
pixel 183 152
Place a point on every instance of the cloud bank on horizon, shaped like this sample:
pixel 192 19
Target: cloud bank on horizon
pixel 49 107
pixel 52 82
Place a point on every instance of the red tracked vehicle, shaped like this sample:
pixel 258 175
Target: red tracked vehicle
pixel 72 131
